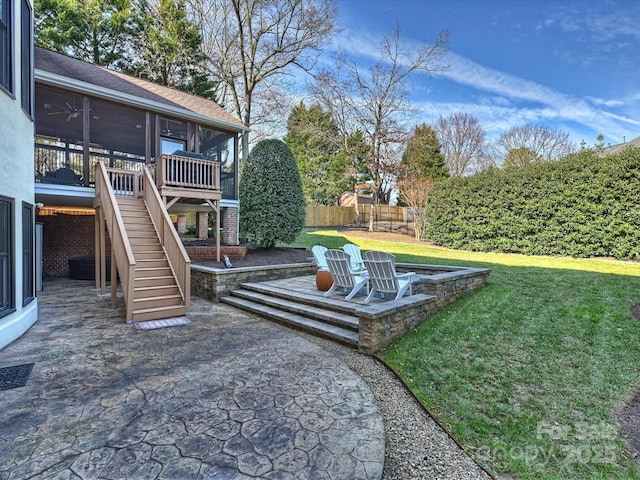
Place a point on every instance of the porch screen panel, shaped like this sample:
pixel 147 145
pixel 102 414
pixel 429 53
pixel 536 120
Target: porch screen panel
pixel 59 141
pixel 218 146
pixel 118 135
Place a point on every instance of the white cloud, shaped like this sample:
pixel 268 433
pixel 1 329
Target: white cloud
pixel 504 100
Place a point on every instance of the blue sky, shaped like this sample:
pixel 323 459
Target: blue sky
pixel 571 65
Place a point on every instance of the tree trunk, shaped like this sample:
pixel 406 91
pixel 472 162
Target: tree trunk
pixel 372 214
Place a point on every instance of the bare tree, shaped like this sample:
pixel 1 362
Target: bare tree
pixel 252 43
pixel 415 192
pixel 543 144
pixel 463 143
pixel 375 102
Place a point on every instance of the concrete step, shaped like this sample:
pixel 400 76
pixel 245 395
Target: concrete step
pixel 290 305
pixel 316 327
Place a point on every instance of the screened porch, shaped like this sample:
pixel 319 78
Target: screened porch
pixel 74 132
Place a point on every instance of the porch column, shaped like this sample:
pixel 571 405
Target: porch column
pixel 182 224
pixel 202 225
pixel 230 225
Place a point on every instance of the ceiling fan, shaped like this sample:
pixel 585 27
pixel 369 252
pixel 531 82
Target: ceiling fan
pixel 69 109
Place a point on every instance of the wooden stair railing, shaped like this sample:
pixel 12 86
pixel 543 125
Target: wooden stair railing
pixel 109 213
pixel 179 261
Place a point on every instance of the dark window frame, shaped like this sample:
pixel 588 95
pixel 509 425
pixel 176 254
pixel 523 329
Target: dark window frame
pixel 26 75
pixel 6 46
pixel 28 254
pixel 7 267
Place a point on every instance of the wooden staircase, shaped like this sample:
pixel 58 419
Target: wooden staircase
pixel 152 265
pixel 155 293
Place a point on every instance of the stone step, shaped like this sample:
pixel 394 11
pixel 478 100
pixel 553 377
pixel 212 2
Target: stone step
pixel 290 305
pixel 316 327
pixel 334 303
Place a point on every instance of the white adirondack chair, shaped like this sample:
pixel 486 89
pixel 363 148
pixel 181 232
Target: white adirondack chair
pixel 356 256
pixel 318 256
pixel 343 275
pixel 383 277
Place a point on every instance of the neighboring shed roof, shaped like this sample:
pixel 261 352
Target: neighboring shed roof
pixel 108 80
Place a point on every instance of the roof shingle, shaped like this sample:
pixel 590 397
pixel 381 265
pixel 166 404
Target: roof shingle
pixel 58 64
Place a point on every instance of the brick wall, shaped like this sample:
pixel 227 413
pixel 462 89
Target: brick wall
pixel 230 225
pixel 66 236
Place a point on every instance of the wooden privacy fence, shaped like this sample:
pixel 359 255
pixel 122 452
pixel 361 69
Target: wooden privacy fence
pixel 331 216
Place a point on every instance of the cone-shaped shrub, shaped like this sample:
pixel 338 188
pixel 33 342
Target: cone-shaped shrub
pixel 272 206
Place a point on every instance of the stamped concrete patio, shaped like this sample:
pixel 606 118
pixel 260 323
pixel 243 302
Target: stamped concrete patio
pixel 227 396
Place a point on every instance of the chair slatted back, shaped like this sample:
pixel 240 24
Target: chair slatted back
pixel 382 275
pixel 354 252
pixel 318 255
pixel 339 264
pixel 377 255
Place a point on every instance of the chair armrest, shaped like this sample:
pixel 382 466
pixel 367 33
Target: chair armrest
pixel 405 275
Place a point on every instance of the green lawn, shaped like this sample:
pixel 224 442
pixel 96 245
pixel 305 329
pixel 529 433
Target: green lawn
pixel 528 372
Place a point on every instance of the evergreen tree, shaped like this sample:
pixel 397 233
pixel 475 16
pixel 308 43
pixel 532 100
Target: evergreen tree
pixel 314 140
pixel 169 49
pixel 272 207
pixel 422 157
pixel 96 31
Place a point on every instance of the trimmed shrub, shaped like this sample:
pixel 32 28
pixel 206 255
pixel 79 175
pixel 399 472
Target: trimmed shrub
pixel 272 206
pixel 582 206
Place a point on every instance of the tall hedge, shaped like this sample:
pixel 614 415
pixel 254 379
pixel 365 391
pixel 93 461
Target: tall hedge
pixel 582 206
pixel 272 206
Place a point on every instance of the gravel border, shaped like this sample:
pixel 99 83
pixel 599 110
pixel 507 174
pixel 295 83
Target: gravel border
pixel 416 445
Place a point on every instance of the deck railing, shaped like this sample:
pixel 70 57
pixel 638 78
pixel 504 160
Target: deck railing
pixel 188 172
pixel 121 247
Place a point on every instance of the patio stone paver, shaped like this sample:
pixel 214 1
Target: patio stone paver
pixel 227 396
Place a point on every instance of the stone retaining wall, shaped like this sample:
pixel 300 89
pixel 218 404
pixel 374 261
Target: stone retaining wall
pixel 382 323
pixel 213 283
pixel 204 252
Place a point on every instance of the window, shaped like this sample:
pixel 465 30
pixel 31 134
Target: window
pixel 173 136
pixel 6 255
pixel 27 253
pixel 26 79
pixel 6 75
